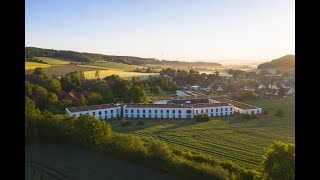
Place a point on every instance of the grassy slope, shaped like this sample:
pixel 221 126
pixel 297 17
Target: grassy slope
pixel 229 138
pixel 54 61
pixel 33 65
pixel 115 65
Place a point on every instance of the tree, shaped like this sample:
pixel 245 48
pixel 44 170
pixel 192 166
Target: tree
pixel 39 71
pixel 173 86
pixel 136 95
pixel 40 95
pixel 202 117
pixel 281 92
pixel 217 73
pixel 156 90
pixel 82 101
pixel 94 99
pixel 279 113
pixel 52 85
pixel 97 74
pixel 28 88
pixel 31 112
pixel 279 161
pixel 90 131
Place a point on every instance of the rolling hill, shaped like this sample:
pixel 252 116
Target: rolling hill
pixel 287 61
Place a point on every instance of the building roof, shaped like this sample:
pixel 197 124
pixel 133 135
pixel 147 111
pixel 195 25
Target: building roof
pixel 157 106
pixel 236 103
pixel 90 108
pixel 202 105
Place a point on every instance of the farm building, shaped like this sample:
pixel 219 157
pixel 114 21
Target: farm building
pixel 107 111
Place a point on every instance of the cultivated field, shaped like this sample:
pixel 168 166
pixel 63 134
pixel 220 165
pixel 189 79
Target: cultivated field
pixel 115 65
pixel 76 163
pixel 119 72
pixel 54 61
pixel 228 138
pixel 33 65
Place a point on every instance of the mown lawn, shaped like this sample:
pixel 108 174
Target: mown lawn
pixel 228 138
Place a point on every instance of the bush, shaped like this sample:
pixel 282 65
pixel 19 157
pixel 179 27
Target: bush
pixel 202 117
pixel 245 116
pixel 140 122
pixel 159 150
pixel 253 116
pixel 279 113
pixel 124 122
pixel 126 143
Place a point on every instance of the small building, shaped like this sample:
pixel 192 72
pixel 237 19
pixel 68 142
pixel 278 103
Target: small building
pixel 219 89
pixel 196 88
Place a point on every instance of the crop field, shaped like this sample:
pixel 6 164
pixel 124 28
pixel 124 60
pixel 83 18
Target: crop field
pixel 228 138
pixel 54 61
pixel 119 72
pixel 33 65
pixel 60 70
pixel 114 65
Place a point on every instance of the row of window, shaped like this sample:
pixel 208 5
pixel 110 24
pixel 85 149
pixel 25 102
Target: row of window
pixel 155 111
pixel 173 116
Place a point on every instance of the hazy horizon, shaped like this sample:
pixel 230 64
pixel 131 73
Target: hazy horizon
pixel 226 32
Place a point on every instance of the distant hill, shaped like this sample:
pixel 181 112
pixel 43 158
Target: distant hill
pixel 287 61
pixel 31 52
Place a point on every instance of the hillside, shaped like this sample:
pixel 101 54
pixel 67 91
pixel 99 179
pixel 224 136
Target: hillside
pixel 31 52
pixel 287 61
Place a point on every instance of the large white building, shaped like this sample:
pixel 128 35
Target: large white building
pixel 108 111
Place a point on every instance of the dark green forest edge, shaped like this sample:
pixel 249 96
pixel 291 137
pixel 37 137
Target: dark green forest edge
pixel 285 61
pixel 43 125
pixel 31 52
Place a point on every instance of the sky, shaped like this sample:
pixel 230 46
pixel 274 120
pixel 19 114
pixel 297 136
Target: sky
pixel 228 31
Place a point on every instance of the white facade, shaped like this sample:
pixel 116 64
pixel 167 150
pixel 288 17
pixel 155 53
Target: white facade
pixel 106 113
pixel 180 93
pixel 248 111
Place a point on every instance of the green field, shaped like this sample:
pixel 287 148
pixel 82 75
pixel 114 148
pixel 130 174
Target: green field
pixel 33 65
pixel 54 61
pixel 80 164
pixel 228 138
pixel 114 65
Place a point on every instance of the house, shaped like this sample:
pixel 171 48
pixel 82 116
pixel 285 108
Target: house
pixel 72 95
pixel 196 88
pixel 219 89
pixel 181 93
pixel 289 91
pixel 262 86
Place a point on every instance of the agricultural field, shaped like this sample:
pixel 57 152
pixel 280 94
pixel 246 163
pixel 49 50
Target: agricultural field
pixel 228 138
pixel 54 61
pixel 61 70
pixel 114 65
pixel 76 163
pixel 33 65
pixel 123 74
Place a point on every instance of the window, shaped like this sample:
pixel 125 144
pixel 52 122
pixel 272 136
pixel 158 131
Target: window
pixel 111 111
pixel 217 110
pixel 226 109
pixel 138 116
pixel 126 115
pixel 156 116
pixel 230 109
pixel 173 116
pixel 201 110
pixel 93 113
pixel 156 111
pixel 131 110
pixel 179 116
pixel 149 111
pixel 168 111
pixel 99 112
pixel 211 114
pixel 167 115
pixel 179 111
pixel 221 109
pixel 173 111
pixel 87 113
pixel 137 110
pixel 100 117
pixel 106 112
pixel 161 116
pixel 188 111
pixel 252 112
pixel 161 111
pixel 221 114
pixel 144 116
pixel 144 111
pixel 206 110
pixel 117 110
pixel 105 117
pixel 211 110
pixel 80 114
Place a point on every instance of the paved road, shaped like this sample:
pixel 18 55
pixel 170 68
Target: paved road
pixel 81 164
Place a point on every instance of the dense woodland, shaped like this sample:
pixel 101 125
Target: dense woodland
pixel 285 61
pixel 31 52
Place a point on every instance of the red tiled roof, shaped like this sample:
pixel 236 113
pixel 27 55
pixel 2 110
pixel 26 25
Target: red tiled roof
pixel 89 108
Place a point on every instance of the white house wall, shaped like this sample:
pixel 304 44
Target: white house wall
pixel 107 113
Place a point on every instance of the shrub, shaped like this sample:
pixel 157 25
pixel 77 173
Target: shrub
pixel 245 116
pixel 202 117
pixel 126 143
pixel 279 113
pixel 253 116
pixel 159 150
pixel 124 122
pixel 140 122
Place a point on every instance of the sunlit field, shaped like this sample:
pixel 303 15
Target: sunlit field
pixel 33 65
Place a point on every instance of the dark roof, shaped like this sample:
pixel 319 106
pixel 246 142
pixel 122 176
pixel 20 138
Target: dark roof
pixel 157 106
pixel 201 105
pixel 89 108
pixel 236 103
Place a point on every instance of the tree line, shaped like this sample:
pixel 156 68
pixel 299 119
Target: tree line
pixel 31 52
